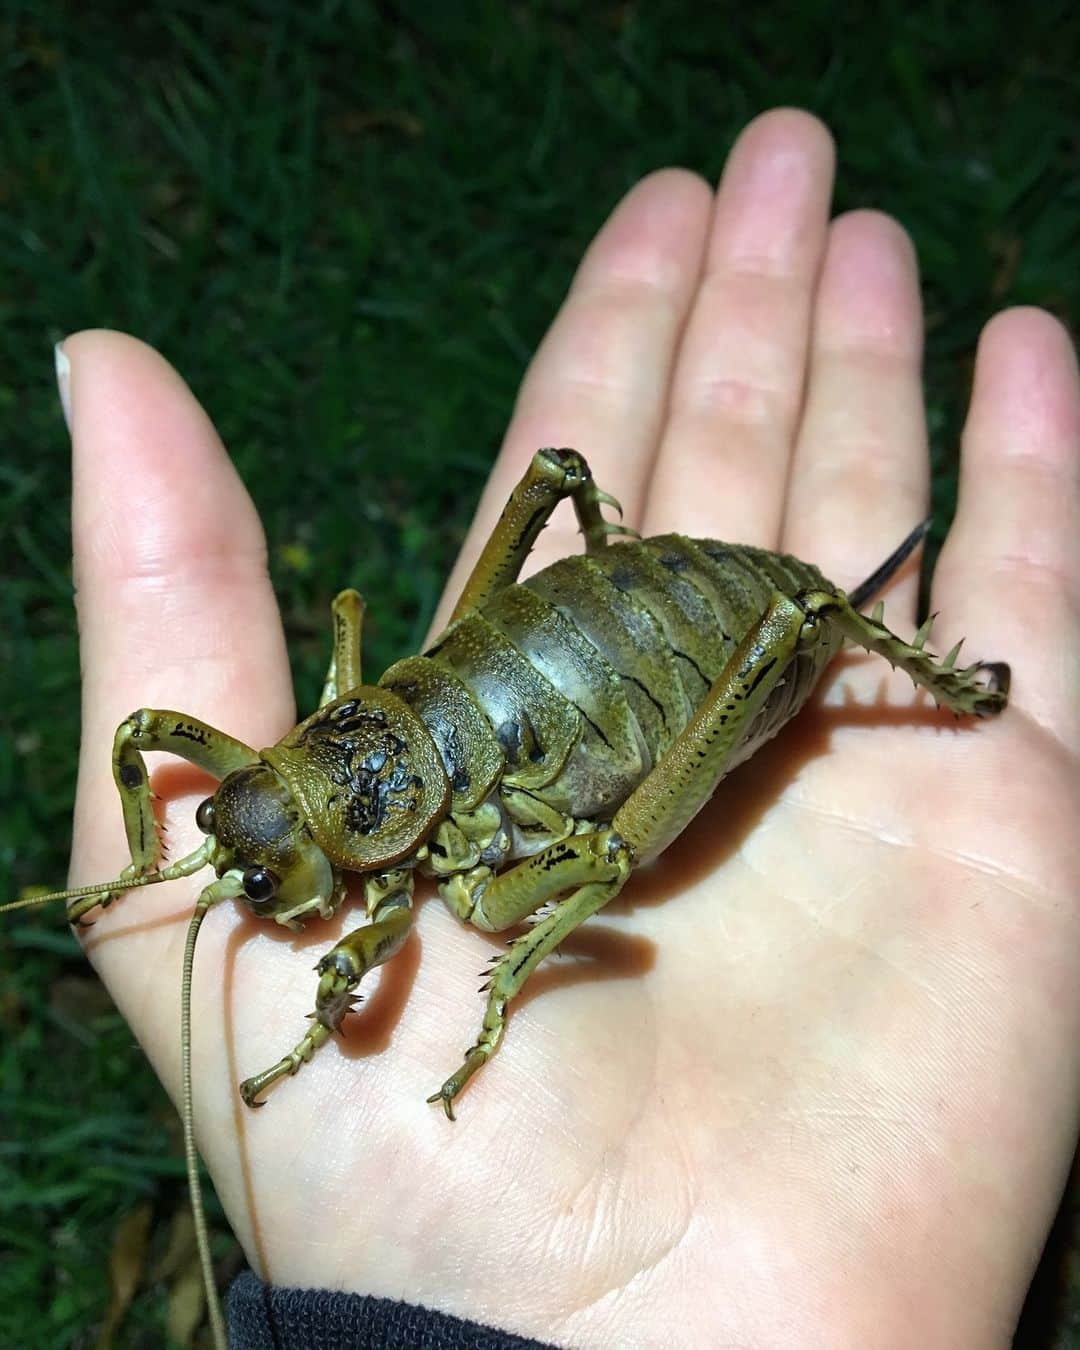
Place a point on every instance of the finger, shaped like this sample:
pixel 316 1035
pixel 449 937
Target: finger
pixel 175 610
pixel 1009 574
pixel 599 381
pixel 860 474
pixel 738 385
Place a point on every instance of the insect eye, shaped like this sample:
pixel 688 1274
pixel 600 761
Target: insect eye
pixel 259 883
pixel 204 816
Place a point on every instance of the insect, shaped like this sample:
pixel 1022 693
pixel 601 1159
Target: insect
pixel 556 735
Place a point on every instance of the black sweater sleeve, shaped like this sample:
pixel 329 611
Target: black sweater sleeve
pixel 262 1317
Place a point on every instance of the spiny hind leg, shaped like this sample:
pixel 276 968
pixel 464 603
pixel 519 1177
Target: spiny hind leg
pixel 151 729
pixel 343 674
pixel 686 775
pixel 552 475
pixel 593 868
pixel 960 689
pixel 389 909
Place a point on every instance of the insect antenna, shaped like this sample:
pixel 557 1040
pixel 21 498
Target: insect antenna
pixel 183 867
pixel 227 888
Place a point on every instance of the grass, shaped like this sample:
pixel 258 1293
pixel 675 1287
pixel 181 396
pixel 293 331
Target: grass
pixel 347 225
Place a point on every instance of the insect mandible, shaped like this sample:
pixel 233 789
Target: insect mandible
pixel 556 735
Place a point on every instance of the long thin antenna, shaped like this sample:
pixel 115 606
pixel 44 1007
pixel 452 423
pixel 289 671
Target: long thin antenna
pixel 183 867
pixel 224 889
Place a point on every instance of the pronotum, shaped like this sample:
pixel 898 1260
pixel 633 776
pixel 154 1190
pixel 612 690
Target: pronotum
pixel 556 735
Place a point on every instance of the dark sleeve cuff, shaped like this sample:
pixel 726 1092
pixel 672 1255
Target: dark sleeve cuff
pixel 262 1317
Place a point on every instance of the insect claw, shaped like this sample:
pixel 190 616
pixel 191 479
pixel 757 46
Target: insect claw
pixel 877 614
pixel 447 1102
pixel 606 499
pixel 998 674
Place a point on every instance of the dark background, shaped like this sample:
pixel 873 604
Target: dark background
pixel 347 225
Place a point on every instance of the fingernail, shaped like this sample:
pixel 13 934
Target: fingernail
pixel 63 381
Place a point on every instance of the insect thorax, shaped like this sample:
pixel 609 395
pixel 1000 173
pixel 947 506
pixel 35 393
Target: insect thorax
pixel 368 776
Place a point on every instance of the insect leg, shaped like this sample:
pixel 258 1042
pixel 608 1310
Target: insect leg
pixel 465 875
pixel 178 734
pixel 593 867
pixel 497 902
pixel 598 863
pixel 686 775
pixel 959 689
pixel 551 476
pixel 343 674
pixel 340 971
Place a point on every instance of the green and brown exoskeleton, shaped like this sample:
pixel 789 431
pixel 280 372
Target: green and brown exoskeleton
pixel 556 735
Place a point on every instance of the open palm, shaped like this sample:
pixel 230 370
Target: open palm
pixel 812 1078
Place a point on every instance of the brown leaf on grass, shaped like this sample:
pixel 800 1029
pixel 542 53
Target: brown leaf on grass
pixel 361 121
pixel 179 1267
pixel 179 1247
pixel 126 1261
pixel 186 1304
pixel 1006 250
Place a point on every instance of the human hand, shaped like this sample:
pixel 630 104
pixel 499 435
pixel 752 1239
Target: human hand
pixel 811 1079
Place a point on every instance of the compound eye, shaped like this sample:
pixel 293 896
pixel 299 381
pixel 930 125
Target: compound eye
pixel 204 816
pixel 260 884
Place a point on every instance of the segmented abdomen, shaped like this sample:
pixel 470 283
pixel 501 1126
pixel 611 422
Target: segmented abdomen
pixel 589 670
pixel 667 613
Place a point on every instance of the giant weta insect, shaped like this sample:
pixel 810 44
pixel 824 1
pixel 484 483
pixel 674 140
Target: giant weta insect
pixel 556 735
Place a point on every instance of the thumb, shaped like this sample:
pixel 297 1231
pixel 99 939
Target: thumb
pixel 175 611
